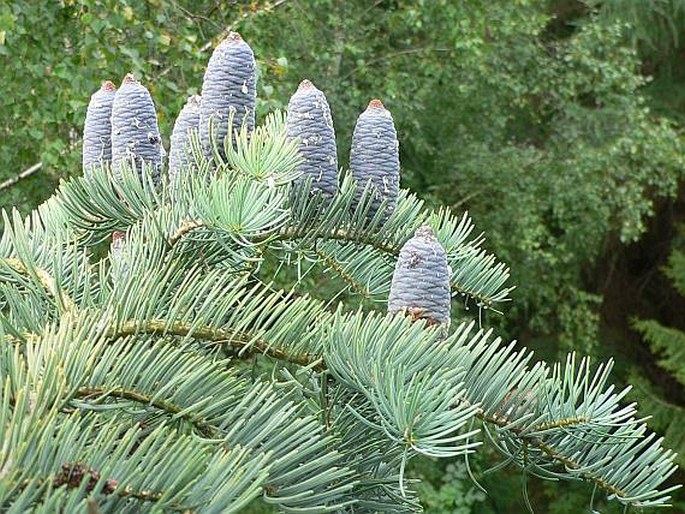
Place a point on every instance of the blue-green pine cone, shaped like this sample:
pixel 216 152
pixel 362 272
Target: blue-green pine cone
pixel 309 119
pixel 97 130
pixel 135 132
pixel 375 158
pixel 421 281
pixel 188 120
pixel 228 89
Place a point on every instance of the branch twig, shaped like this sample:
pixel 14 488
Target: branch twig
pixel 24 174
pixel 214 335
pixel 307 360
pixel 203 427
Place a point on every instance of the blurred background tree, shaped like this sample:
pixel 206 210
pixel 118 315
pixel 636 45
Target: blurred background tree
pixel 556 123
pixel 668 344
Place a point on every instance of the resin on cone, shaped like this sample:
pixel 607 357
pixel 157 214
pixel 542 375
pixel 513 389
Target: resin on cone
pixel 375 158
pixel 135 132
pixel 228 92
pixel 97 130
pixel 188 121
pixel 421 282
pixel 309 120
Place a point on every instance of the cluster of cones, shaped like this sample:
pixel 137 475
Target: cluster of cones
pixel 121 127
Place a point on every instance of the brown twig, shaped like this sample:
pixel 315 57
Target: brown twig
pixel 202 426
pixel 215 335
pixel 186 227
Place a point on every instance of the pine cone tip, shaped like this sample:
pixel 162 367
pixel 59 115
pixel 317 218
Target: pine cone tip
pixel 108 85
pixel 233 37
pixel 129 79
pixel 425 231
pixel 118 235
pixel 304 85
pixel 376 104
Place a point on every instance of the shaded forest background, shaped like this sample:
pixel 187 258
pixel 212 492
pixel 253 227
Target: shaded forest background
pixel 558 124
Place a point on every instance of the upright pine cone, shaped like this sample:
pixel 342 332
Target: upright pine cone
pixel 228 88
pixel 421 281
pixel 135 133
pixel 97 131
pixel 375 157
pixel 179 150
pixel 309 119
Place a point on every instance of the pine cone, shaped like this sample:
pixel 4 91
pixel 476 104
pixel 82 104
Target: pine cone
pixel 375 158
pixel 309 119
pixel 135 133
pixel 228 88
pixel 97 130
pixel 421 281
pixel 179 150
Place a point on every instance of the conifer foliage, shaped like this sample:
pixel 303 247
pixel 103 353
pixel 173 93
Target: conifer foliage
pixel 668 343
pixel 125 368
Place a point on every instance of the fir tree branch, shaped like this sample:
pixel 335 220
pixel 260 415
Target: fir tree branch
pixel 333 264
pixel 205 333
pixel 214 335
pixel 536 442
pixel 571 464
pixel 220 336
pixel 44 278
pixel 291 233
pixel 226 336
pixel 223 336
pixel 126 492
pixel 204 428
pixel 294 233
